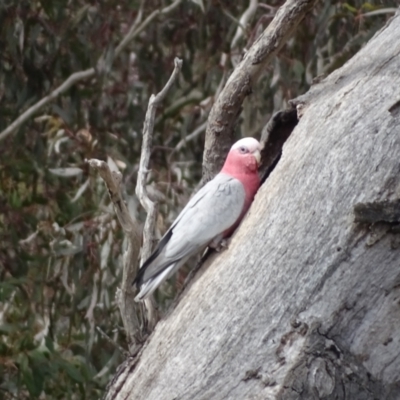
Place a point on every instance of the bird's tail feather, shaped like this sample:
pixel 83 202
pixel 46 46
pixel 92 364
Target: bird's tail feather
pixel 148 287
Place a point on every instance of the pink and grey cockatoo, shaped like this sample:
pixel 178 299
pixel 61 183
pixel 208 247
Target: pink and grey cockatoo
pixel 211 215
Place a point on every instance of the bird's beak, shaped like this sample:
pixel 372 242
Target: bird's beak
pixel 257 156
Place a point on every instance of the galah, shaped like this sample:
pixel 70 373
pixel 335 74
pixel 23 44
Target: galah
pixel 211 215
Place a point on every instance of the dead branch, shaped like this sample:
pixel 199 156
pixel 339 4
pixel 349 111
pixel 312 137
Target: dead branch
pixel 125 294
pixel 72 80
pixel 133 32
pixel 244 20
pixel 133 314
pixel 112 342
pixel 223 116
pixel 141 189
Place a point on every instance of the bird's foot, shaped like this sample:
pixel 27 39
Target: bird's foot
pixel 220 245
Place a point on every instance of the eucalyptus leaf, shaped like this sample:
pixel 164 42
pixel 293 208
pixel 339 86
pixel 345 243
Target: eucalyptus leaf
pixel 65 248
pixel 66 172
pixel 71 370
pixel 81 190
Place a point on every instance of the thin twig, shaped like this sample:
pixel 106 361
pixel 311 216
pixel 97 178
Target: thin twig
pixel 133 33
pixel 141 189
pixel 232 18
pixel 200 129
pixel 72 79
pixel 76 77
pixel 244 20
pixel 388 10
pixel 111 341
pixel 174 108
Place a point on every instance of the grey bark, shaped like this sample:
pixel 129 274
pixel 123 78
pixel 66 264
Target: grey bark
pixel 305 303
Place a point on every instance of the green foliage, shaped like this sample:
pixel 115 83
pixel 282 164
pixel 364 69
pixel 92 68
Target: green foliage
pixel 60 244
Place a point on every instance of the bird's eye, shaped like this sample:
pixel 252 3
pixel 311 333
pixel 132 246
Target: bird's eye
pixel 243 150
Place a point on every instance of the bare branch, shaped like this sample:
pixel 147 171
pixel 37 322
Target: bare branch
pixel 193 97
pixel 141 189
pixel 244 20
pixel 223 116
pixel 131 312
pixel 125 294
pixel 133 32
pixel 112 342
pixel 76 77
pixel 200 129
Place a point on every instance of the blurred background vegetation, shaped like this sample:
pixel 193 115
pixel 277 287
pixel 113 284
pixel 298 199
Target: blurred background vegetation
pixel 60 243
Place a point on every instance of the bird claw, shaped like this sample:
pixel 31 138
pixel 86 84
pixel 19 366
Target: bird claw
pixel 221 245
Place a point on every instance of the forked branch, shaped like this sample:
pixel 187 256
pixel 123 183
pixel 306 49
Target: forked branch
pixel 141 190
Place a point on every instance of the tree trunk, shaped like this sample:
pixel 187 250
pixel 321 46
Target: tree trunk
pixel 305 303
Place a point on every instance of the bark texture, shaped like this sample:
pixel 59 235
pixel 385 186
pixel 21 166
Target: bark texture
pixel 305 303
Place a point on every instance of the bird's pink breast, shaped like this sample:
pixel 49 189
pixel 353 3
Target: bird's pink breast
pixel 251 183
pixel 242 167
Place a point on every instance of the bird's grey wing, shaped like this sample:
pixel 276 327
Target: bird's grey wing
pixel 203 220
pixel 214 209
pixel 156 263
